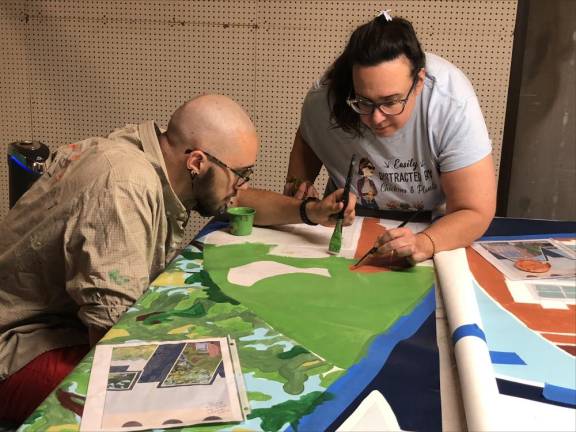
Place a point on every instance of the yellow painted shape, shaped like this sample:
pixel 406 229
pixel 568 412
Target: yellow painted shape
pixel 114 333
pixel 311 363
pixel 181 330
pixel 64 427
pixel 170 278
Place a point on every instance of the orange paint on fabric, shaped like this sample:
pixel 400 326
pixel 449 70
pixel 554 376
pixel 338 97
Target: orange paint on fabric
pixel 371 230
pixel 534 316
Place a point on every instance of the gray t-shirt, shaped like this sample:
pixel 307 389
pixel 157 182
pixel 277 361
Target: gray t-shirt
pixel 445 132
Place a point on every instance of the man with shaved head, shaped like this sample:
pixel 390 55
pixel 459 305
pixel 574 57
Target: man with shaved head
pixel 83 244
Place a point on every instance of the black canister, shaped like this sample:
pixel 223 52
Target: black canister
pixel 26 162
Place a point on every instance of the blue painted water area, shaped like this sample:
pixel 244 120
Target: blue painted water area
pixel 258 334
pixel 262 347
pixel 173 289
pixel 545 362
pixel 276 391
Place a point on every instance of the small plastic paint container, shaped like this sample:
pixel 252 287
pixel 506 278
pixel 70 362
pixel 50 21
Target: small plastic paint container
pixel 241 220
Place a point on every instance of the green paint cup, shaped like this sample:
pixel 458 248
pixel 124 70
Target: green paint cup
pixel 241 220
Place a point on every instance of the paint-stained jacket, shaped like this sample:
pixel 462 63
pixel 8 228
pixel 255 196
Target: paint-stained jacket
pixel 84 242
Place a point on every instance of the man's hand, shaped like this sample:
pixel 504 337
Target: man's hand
pixel 325 212
pixel 300 189
pixel 404 243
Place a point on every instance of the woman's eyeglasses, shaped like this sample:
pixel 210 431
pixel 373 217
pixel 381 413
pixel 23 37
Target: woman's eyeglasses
pixel 365 106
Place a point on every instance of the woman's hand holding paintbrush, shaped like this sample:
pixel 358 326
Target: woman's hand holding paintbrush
pixel 401 243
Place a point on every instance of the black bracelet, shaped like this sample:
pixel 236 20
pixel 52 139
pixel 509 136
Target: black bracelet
pixel 303 214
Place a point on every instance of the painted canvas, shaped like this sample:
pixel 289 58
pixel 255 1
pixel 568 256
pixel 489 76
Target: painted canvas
pixel 317 342
pixel 529 332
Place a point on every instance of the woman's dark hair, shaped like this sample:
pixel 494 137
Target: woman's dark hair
pixel 370 44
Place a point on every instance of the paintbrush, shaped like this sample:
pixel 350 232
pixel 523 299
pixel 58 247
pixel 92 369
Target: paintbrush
pixel 336 239
pixel 375 248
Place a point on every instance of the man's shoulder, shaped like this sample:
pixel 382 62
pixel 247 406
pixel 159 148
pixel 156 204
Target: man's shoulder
pixel 126 162
pixel 128 134
pixel 102 159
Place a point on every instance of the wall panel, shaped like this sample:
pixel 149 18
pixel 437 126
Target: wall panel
pixel 73 69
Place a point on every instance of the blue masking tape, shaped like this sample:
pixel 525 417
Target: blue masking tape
pixel 506 357
pixel 559 394
pixel 468 330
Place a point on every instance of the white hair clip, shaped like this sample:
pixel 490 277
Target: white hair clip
pixel 386 14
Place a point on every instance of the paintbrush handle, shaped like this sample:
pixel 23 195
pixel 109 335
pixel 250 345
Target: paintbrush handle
pixel 346 194
pixel 370 252
pixel 410 219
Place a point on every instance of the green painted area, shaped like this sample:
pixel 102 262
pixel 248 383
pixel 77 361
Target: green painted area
pixel 292 369
pixel 296 350
pixel 196 310
pixel 235 325
pixel 336 318
pixel 291 411
pixel 186 304
pixel 292 372
pixel 147 300
pixel 214 292
pixel 258 396
pixel 188 254
pixel 187 260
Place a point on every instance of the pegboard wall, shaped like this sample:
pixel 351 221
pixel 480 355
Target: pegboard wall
pixel 71 69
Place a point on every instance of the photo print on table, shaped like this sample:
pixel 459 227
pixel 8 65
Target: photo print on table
pixel 164 384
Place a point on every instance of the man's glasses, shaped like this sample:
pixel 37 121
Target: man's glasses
pixel 364 106
pixel 243 175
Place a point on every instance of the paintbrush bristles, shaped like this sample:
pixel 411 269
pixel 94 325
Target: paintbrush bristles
pixel 336 239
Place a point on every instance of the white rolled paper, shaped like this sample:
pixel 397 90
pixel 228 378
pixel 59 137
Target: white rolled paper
pixel 477 380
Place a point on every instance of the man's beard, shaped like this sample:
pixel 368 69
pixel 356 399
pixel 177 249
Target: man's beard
pixel 207 203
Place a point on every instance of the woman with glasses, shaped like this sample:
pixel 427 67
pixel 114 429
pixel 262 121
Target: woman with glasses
pixel 416 119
